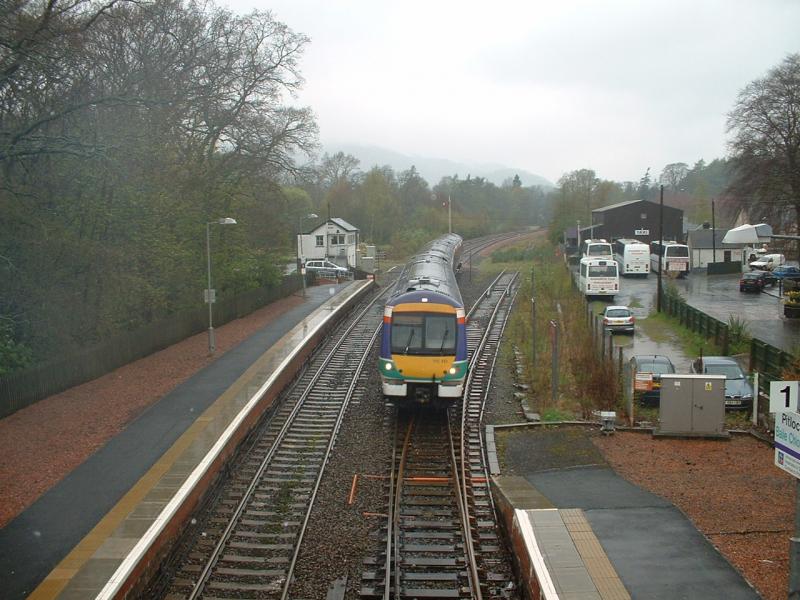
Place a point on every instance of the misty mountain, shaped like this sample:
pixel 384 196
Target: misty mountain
pixel 433 169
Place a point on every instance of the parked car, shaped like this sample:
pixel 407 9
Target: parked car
pixel 755 281
pixel 618 319
pixel 768 262
pixel 786 272
pixel 738 391
pixel 325 268
pixel 649 368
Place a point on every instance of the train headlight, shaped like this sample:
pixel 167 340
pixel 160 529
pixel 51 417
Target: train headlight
pixel 453 370
pixel 388 366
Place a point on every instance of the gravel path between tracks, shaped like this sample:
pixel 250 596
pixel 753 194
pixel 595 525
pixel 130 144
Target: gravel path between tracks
pixel 731 491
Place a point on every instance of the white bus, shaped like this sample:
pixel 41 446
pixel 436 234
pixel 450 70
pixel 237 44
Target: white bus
pixel 632 256
pixel 674 258
pixel 596 249
pixel 598 277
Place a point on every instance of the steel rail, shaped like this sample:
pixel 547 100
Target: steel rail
pixel 398 500
pixel 390 519
pixel 485 395
pixel 485 294
pixel 242 505
pixel 463 490
pixel 351 388
pixel 459 483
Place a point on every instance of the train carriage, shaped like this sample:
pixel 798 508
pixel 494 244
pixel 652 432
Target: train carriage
pixel 424 343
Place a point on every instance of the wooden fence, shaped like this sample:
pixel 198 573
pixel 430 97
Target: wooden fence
pixel 81 365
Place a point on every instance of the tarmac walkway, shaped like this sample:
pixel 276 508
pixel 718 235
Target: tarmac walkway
pixel 37 540
pixel 591 535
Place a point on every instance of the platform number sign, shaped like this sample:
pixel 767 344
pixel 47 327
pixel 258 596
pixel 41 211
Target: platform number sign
pixel 782 396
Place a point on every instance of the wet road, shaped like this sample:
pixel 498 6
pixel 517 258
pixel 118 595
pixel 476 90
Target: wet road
pixel 718 296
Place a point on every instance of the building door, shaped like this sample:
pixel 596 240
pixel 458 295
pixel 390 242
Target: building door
pixel 727 256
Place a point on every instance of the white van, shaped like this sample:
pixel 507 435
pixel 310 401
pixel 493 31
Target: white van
pixel 767 262
pixel 326 268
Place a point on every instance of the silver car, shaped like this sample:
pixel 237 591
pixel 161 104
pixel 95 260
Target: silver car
pixel 738 391
pixel 618 319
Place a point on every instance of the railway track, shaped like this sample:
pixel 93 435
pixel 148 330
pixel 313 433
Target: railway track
pixel 249 544
pixel 441 538
pixel 246 542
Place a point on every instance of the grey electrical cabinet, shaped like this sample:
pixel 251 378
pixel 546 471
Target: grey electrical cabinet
pixel 692 405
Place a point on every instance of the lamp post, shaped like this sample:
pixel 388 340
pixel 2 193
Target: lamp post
pixel 210 295
pixel 300 262
pixel 661 247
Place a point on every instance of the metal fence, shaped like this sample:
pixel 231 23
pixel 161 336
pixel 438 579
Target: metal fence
pixel 81 365
pixel 697 320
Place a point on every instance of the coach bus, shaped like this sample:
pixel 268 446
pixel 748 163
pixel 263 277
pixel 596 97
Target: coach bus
pixel 674 258
pixel 598 277
pixel 632 256
pixel 596 249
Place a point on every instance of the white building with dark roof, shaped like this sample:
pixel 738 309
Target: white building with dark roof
pixel 334 239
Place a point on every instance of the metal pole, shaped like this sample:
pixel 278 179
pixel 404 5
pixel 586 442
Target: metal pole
pixel 533 330
pixel 660 247
pixel 211 342
pixel 794 548
pixel 554 374
pixel 300 262
pixel 713 235
pixel 449 215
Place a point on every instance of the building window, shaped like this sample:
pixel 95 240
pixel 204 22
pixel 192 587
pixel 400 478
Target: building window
pixel 337 240
pixel 320 241
pixel 351 238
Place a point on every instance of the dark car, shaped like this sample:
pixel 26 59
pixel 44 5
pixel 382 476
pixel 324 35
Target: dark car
pixel 646 371
pixel 738 391
pixel 755 281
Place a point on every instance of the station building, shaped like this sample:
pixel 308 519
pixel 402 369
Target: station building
pixel 638 219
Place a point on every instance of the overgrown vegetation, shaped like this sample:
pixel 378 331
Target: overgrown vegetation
pixel 586 383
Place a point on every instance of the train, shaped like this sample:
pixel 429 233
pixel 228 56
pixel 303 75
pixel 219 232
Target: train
pixel 423 356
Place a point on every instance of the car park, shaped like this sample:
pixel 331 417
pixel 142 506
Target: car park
pixel 618 319
pixel 645 372
pixel 738 391
pixel 755 281
pixel 325 268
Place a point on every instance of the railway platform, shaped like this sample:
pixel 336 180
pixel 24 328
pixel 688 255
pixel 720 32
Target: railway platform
pixel 581 532
pixel 107 521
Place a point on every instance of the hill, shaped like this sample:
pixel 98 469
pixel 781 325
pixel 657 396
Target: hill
pixel 433 169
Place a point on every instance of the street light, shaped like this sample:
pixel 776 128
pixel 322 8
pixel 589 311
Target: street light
pixel 210 295
pixel 300 262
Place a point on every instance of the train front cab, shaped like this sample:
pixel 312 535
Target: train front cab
pixel 423 351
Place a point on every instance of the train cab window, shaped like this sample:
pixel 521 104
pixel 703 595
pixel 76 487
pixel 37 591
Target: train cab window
pixel 440 333
pixel 407 333
pixel 423 334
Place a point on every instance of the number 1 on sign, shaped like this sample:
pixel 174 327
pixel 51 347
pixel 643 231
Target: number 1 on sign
pixel 782 396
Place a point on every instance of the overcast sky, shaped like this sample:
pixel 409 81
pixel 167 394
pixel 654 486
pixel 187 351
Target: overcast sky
pixel 615 86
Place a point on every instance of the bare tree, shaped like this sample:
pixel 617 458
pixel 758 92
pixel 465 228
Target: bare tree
pixel 673 175
pixel 765 146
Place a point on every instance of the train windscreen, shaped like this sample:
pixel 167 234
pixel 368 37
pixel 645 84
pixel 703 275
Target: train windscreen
pixel 423 334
